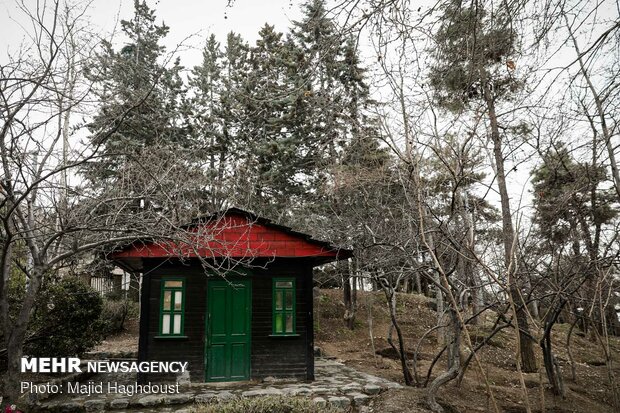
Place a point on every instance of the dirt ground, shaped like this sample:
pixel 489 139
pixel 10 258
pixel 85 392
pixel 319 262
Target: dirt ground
pixel 590 393
pixel 127 341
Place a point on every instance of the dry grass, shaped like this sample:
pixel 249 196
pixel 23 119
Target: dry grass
pixel 591 393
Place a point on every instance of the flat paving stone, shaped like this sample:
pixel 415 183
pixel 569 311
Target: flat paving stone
pixel 335 383
pixel 298 391
pixel 321 390
pixel 178 398
pixel 151 400
pixel 71 407
pixel 351 387
pixel 204 398
pixel 359 399
pixel 119 403
pixel 225 395
pixel 262 392
pixel 319 401
pixel 339 401
pixel 372 389
pixel 95 405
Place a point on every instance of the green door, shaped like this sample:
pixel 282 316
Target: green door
pixel 228 330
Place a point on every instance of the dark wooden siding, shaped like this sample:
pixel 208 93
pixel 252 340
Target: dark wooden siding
pixel 270 356
pixel 281 356
pixel 190 349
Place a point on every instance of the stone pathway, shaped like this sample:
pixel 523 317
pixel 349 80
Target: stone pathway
pixel 335 384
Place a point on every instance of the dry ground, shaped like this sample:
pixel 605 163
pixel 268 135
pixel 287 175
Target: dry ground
pixel 590 393
pixel 127 341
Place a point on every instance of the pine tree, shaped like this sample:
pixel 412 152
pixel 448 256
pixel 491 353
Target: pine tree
pixel 331 88
pixel 139 96
pixel 206 119
pixel 268 152
pixel 331 119
pixel 473 64
pixel 567 194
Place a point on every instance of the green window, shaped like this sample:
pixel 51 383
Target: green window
pixel 283 306
pixel 172 307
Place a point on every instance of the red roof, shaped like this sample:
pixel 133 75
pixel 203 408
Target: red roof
pixel 235 233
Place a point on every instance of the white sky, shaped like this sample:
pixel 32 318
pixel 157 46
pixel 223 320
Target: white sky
pixel 195 18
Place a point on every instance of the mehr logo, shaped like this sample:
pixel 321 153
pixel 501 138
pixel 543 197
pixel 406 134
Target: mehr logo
pixel 51 365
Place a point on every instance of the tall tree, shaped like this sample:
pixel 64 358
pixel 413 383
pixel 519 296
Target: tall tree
pixel 571 212
pixel 136 85
pixel 473 64
pixel 207 120
pixel 269 150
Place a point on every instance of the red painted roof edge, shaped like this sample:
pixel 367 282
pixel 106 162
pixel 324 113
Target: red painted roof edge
pixel 340 253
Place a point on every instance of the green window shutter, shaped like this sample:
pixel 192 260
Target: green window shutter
pixel 172 307
pixel 284 306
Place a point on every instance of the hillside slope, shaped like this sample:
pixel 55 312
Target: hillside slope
pixel 590 393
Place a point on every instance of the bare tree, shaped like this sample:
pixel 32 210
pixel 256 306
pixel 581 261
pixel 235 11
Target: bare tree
pixel 51 219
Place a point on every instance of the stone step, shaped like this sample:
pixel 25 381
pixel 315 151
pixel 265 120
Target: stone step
pixel 182 400
pixel 335 384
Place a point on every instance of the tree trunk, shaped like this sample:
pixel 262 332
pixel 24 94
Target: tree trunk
pixel 454 364
pixel 438 294
pixel 390 295
pixel 349 292
pixel 371 333
pixel 573 368
pixel 418 283
pixel 554 374
pixel 528 358
pixel 532 302
pixel 467 259
pixel 4 283
pixel 17 336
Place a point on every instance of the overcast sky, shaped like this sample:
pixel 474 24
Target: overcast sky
pixel 191 21
pixel 197 18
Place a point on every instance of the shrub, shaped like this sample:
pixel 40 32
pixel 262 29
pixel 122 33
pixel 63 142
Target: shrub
pixel 269 404
pixel 66 320
pixel 115 314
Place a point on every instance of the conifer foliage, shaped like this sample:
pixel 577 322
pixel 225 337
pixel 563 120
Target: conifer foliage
pixel 257 126
pixel 272 118
pixel 139 93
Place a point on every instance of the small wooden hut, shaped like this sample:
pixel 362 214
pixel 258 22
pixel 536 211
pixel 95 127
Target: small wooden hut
pixel 235 302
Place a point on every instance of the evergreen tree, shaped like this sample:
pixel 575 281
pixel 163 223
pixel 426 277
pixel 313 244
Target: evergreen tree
pixel 268 154
pixel 331 90
pixel 206 119
pixel 331 119
pixel 473 64
pixel 568 198
pixel 139 96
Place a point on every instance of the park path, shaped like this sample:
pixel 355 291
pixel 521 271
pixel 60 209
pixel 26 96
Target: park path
pixel 335 384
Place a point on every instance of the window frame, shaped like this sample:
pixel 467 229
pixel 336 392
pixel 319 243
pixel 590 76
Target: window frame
pixel 172 312
pixel 283 311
